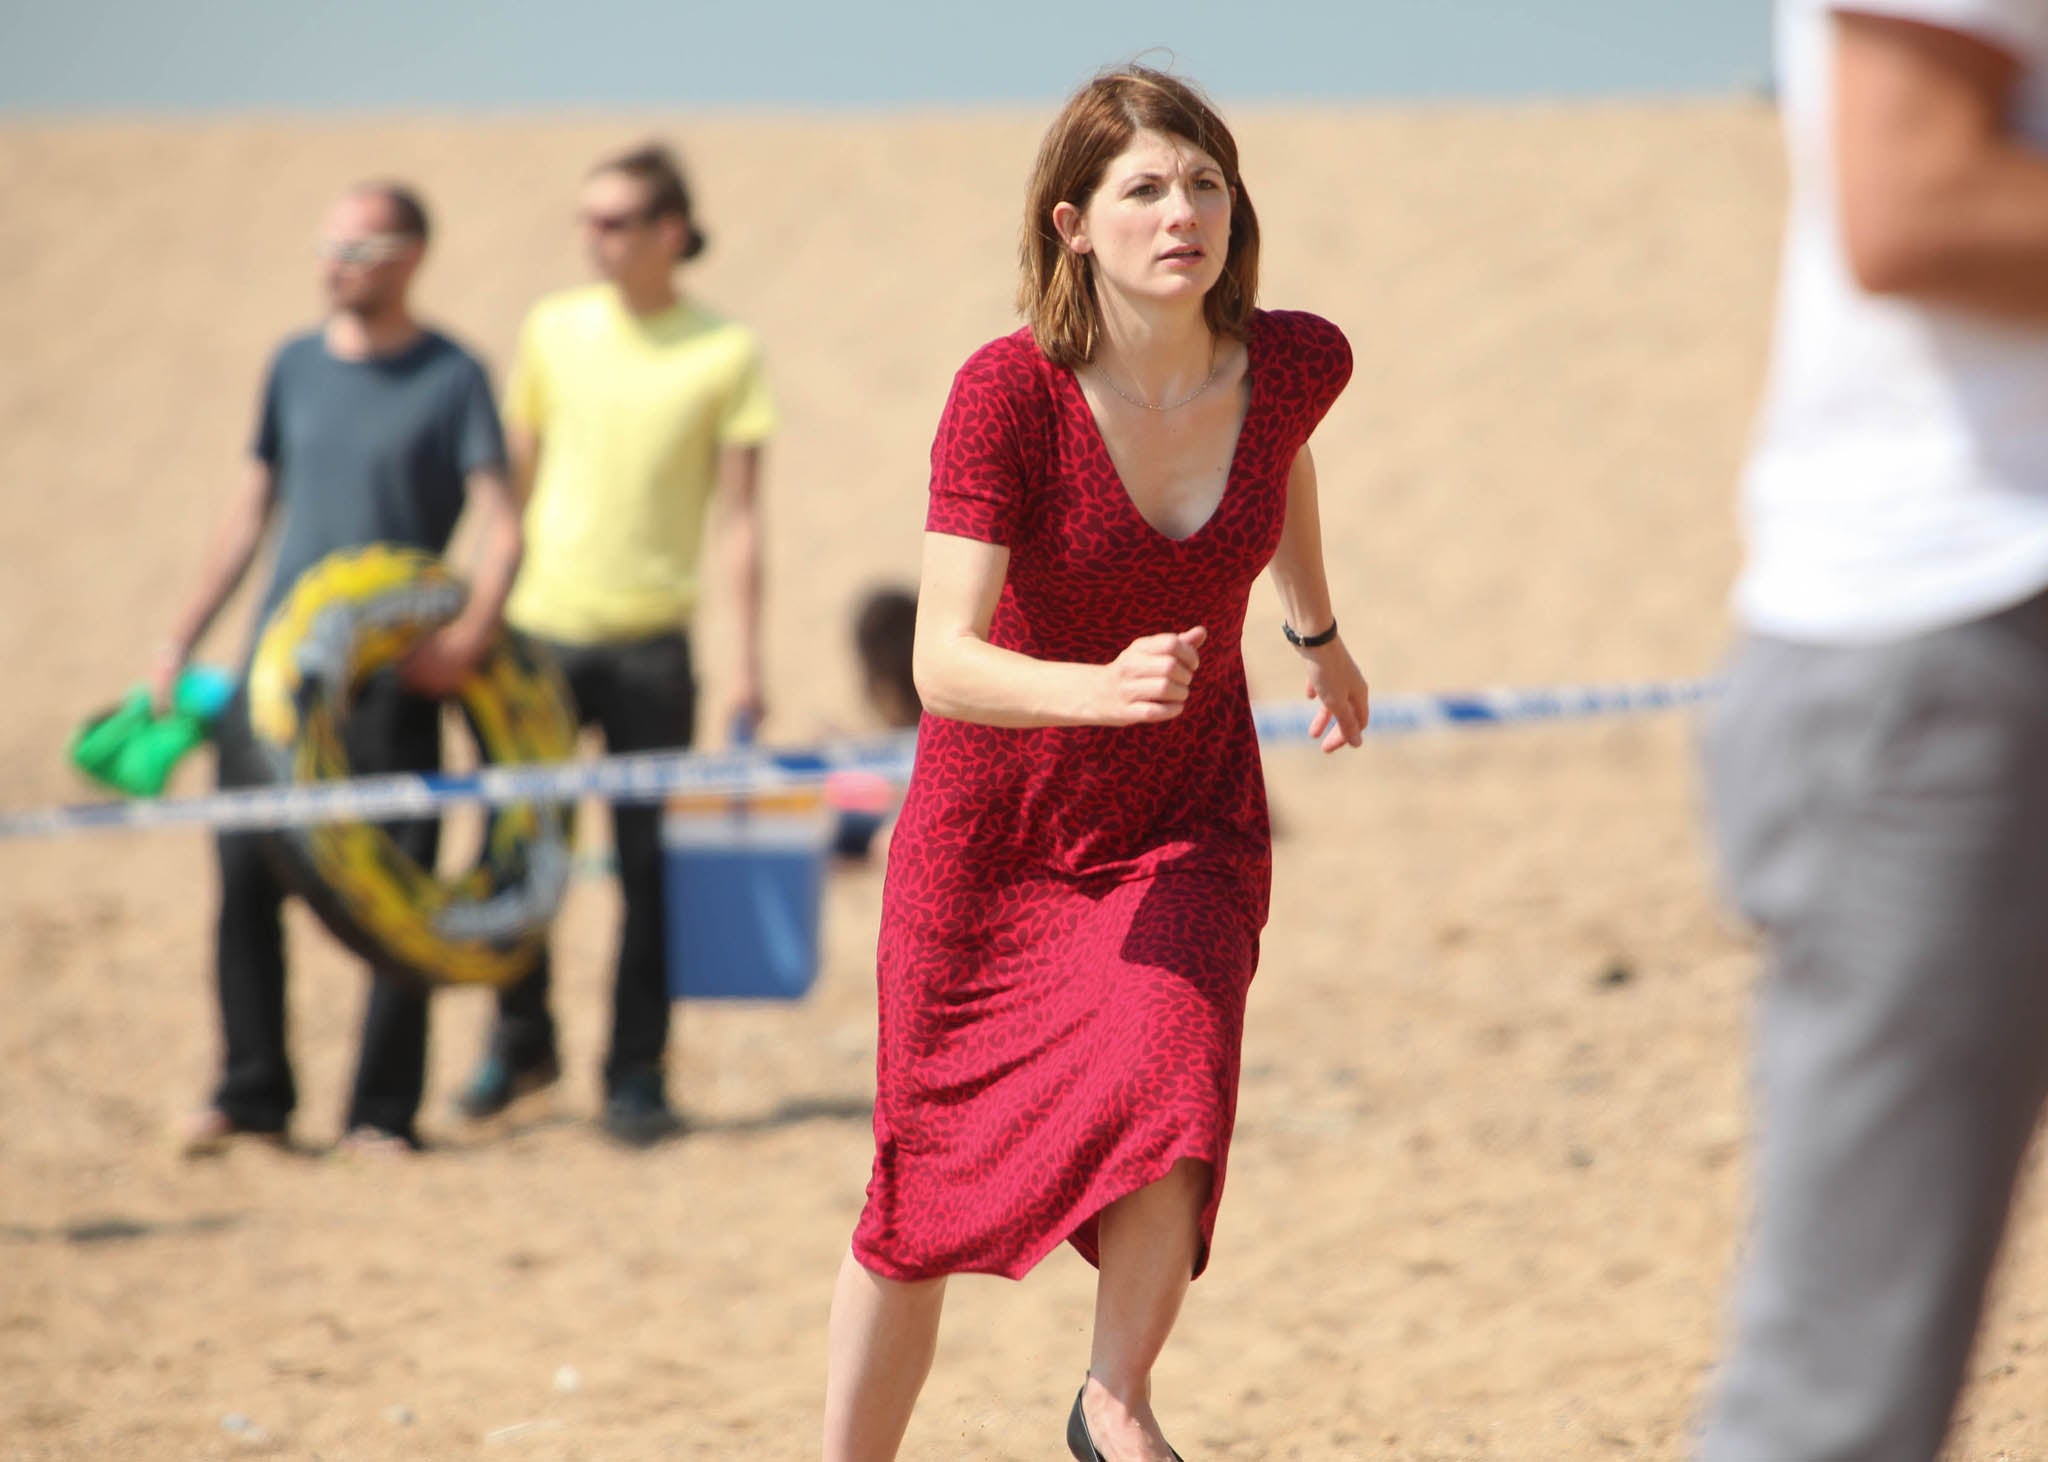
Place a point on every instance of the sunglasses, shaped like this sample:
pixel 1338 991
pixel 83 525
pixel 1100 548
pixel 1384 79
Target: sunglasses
pixel 365 251
pixel 614 223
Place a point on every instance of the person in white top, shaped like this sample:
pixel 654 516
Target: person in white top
pixel 1877 767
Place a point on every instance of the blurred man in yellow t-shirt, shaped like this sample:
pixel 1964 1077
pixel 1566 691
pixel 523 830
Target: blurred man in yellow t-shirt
pixel 634 417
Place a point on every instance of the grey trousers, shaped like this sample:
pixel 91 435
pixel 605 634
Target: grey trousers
pixel 1881 813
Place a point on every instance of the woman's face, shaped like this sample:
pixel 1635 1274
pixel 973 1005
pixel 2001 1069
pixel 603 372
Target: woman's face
pixel 1158 225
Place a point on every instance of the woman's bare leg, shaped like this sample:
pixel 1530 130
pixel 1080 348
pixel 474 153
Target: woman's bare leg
pixel 1147 1243
pixel 884 1334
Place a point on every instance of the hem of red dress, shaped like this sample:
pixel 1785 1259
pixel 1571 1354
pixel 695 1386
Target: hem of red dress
pixel 1032 1258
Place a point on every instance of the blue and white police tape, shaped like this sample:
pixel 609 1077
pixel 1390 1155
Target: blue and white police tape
pixel 655 775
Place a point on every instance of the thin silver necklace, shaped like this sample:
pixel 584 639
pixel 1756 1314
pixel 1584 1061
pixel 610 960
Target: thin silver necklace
pixel 1215 367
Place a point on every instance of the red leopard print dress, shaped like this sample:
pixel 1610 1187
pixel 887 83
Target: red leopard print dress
pixel 1071 916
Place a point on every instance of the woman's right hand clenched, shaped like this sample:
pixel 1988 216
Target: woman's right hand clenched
pixel 1149 681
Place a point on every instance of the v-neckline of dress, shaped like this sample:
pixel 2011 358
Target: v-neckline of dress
pixel 1244 423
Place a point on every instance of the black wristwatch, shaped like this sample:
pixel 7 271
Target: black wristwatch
pixel 1308 642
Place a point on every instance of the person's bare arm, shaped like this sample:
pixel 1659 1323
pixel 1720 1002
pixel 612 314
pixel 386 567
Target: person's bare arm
pixel 446 657
pixel 522 446
pixel 501 546
pixel 738 513
pixel 960 675
pixel 1299 575
pixel 235 541
pixel 1939 199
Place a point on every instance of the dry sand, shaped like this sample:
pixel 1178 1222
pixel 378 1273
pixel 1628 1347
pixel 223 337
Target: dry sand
pixel 1484 1197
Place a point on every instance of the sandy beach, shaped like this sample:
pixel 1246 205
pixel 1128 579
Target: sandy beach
pixel 1489 1172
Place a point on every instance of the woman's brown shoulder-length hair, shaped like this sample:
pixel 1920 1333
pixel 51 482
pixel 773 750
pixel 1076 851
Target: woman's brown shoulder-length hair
pixel 1056 293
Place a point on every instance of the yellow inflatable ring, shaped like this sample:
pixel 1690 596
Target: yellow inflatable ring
pixel 350 615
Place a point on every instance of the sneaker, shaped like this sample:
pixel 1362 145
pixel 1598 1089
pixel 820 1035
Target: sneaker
pixel 637 1112
pixel 498 1083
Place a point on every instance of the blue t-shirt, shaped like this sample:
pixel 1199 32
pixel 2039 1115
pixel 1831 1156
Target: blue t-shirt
pixel 371 451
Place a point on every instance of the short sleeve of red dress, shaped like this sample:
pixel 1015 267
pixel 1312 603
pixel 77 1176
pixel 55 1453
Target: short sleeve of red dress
pixel 1317 358
pixel 988 453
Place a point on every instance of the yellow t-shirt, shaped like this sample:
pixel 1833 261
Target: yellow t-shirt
pixel 631 414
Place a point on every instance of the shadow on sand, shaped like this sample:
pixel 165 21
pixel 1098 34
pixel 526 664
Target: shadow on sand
pixel 115 1229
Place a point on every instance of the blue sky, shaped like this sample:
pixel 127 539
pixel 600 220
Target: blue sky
pixel 457 55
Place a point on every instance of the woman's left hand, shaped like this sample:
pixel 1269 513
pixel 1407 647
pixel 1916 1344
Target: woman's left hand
pixel 1335 679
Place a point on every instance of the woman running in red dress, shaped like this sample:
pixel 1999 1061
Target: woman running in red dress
pixel 1077 883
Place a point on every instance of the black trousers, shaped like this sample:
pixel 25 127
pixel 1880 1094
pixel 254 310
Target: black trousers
pixel 387 731
pixel 642 695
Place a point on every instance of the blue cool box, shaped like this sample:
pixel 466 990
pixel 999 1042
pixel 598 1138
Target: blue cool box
pixel 743 881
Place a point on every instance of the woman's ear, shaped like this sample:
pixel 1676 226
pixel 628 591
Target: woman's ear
pixel 677 231
pixel 1071 226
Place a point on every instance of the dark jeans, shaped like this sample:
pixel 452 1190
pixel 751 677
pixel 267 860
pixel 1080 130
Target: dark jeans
pixel 387 731
pixel 642 694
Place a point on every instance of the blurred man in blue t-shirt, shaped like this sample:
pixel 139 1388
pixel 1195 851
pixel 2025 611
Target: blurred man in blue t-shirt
pixel 373 429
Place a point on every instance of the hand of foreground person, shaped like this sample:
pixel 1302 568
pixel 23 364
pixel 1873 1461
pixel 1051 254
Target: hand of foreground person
pixel 446 658
pixel 1335 679
pixel 1149 681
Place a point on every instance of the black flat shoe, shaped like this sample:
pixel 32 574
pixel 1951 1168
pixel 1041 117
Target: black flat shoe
pixel 1080 1443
